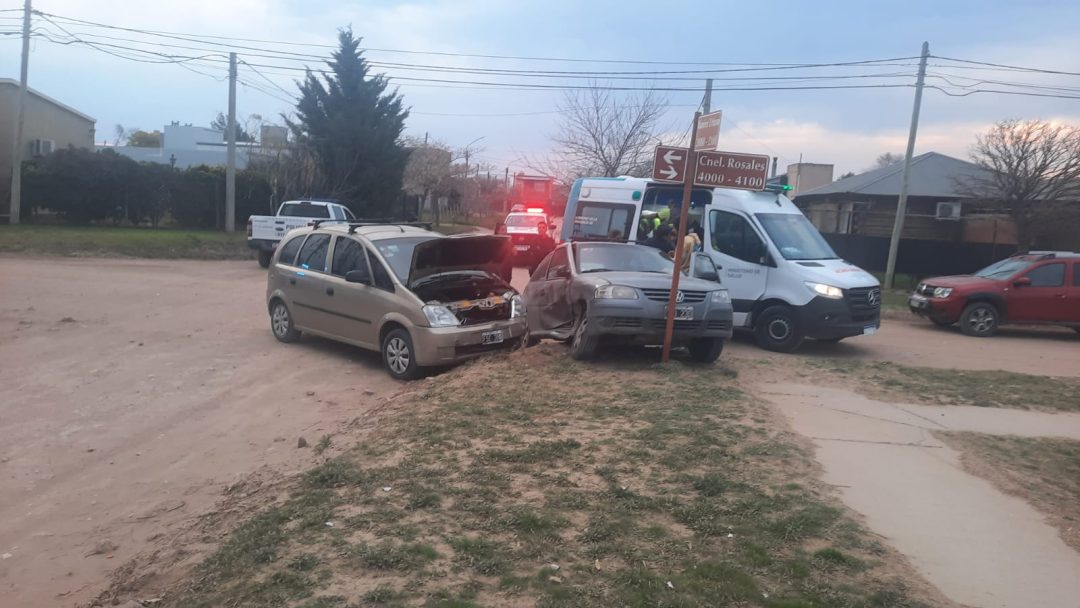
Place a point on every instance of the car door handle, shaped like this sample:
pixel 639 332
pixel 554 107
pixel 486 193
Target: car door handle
pixel 292 281
pixel 329 291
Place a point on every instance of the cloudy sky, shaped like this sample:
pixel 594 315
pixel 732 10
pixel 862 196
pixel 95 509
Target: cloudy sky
pixel 847 127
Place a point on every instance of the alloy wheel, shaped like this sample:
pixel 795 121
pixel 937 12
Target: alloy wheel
pixel 397 355
pixel 280 320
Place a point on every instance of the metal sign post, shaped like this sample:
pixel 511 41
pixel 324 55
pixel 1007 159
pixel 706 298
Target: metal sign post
pixel 688 186
pixel 708 131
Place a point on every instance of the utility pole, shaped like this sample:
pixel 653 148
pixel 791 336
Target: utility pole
pixel 230 158
pixel 901 204
pixel 506 191
pixel 688 187
pixel 20 120
pixel 706 103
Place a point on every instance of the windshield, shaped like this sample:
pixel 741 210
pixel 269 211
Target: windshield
pixel 622 258
pixel 524 221
pixel 398 253
pixel 795 237
pixel 1003 269
pixel 305 210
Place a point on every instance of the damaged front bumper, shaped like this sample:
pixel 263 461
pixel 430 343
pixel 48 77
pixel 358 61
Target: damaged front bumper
pixel 447 345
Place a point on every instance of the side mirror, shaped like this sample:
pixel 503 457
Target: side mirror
pixel 704 268
pixel 1022 282
pixel 358 276
pixel 563 272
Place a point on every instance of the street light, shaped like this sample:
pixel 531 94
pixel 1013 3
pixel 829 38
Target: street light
pixel 465 183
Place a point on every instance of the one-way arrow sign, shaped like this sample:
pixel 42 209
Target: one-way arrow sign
pixel 669 164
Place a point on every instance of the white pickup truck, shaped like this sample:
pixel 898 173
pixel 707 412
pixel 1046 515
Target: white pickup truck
pixel 264 232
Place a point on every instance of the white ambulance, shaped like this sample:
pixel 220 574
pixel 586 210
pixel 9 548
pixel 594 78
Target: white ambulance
pixel 785 281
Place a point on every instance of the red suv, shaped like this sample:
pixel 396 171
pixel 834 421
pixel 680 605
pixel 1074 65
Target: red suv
pixel 1037 287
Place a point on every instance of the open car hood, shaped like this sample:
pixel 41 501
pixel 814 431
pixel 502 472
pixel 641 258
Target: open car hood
pixel 457 253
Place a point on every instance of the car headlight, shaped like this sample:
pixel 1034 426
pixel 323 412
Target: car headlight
pixel 942 292
pixel 517 307
pixel 615 292
pixel 721 296
pixel 827 291
pixel 440 316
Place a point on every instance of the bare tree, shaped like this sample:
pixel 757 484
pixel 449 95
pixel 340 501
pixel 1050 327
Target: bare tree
pixel 887 159
pixel 1032 171
pixel 121 134
pixel 428 170
pixel 604 135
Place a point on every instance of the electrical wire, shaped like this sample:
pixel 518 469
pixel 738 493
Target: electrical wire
pixel 442 53
pixel 1007 67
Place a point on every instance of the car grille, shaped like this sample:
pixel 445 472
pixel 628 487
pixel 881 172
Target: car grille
pixel 924 289
pixel 660 324
pixel 478 349
pixel 623 322
pixel 719 324
pixel 689 297
pixel 864 303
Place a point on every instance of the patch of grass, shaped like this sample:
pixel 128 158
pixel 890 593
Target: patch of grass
pixel 642 501
pixel 541 451
pixel 305 562
pixel 835 557
pixel 959 387
pixel 390 556
pixel 124 242
pixel 1044 471
pixel 324 444
pixel 481 555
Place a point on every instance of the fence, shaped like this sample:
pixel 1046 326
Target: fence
pixel 918 257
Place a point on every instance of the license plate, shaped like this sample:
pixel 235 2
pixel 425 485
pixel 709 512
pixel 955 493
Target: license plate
pixel 917 302
pixel 521 247
pixel 870 330
pixel 492 337
pixel 682 313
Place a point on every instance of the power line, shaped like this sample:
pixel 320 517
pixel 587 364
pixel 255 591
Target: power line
pixel 434 53
pixel 267 79
pixel 1008 67
pixel 1000 92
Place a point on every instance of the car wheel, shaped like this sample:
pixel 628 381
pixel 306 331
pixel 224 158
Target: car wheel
pixel 582 344
pixel 979 319
pixel 265 257
pixel 399 356
pixel 281 323
pixel 706 350
pixel 777 329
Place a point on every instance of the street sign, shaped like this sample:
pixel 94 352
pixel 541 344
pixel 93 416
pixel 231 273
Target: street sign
pixel 731 170
pixel 708 131
pixel 669 164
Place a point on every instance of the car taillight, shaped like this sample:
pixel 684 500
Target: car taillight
pixel 249 227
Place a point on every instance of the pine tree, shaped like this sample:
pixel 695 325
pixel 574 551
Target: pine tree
pixel 353 125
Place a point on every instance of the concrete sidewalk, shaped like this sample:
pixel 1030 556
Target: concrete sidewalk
pixel 977 545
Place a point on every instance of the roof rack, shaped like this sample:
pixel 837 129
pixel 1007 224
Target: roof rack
pixel 316 223
pixel 389 223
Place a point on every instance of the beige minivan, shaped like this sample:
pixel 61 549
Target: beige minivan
pixel 418 297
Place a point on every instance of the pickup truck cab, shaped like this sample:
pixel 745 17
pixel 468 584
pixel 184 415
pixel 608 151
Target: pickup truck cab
pixel 264 232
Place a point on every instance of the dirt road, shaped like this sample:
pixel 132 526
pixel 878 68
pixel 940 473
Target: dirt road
pixel 133 394
pixel 1044 351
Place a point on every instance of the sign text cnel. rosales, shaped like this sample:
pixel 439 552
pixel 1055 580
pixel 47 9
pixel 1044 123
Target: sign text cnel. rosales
pixel 728 162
